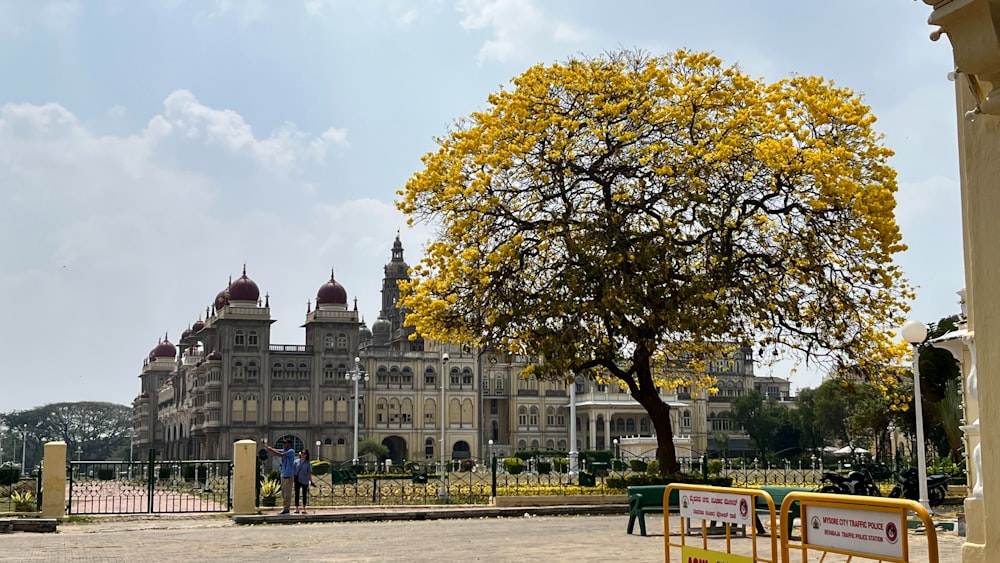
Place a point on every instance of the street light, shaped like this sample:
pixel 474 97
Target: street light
pixel 443 492
pixel 79 453
pixel 316 452
pixel 915 332
pixel 355 375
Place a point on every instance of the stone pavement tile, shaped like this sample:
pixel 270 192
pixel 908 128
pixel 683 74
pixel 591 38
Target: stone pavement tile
pixel 583 539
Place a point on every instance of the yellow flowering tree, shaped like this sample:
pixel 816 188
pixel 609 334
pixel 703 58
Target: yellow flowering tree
pixel 619 216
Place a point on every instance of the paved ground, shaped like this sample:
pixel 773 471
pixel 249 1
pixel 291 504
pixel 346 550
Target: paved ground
pixel 518 539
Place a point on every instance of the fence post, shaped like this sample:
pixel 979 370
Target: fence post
pixel 54 480
pixel 150 481
pixel 493 487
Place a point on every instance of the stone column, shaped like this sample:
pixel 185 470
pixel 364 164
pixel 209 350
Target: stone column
pixel 54 480
pixel 971 27
pixel 592 431
pixel 244 477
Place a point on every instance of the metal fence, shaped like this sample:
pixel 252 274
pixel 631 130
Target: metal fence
pixel 123 487
pixel 20 496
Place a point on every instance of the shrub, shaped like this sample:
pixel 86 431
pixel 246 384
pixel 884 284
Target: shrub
pixel 274 475
pixel 653 467
pixel 320 467
pixel 9 475
pixel 636 480
pixel 618 465
pixel 189 472
pixel 513 465
pixel 561 464
pixel 165 472
pixel 714 466
pixel 23 501
pixel 106 473
pixel 638 465
pixel 467 464
pixel 544 467
pixel 411 466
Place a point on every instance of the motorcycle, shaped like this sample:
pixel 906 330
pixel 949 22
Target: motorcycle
pixel 908 487
pixel 855 483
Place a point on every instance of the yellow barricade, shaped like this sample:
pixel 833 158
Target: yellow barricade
pixel 729 507
pixel 870 527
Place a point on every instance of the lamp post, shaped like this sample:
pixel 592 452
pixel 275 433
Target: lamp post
pixel 615 442
pixel 574 455
pixel 356 375
pixel 316 451
pixel 915 332
pixel 443 491
pixel 79 453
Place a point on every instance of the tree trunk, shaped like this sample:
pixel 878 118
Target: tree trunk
pixel 659 413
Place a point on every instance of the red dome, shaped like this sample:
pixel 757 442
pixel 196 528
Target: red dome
pixel 244 289
pixel 222 299
pixel 215 356
pixel 331 293
pixel 197 326
pixel 185 334
pixel 164 350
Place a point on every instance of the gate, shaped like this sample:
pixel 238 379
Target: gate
pixel 147 487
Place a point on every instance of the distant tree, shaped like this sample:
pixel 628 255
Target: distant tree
pixel 617 216
pixel 369 446
pixel 97 429
pixel 803 419
pixel 722 442
pixel 759 418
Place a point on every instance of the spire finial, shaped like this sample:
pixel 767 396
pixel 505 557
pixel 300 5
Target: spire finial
pixel 267 300
pixel 244 269
pixel 309 306
pixel 355 304
pixel 331 274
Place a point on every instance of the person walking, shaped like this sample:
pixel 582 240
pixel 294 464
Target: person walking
pixel 303 480
pixel 287 473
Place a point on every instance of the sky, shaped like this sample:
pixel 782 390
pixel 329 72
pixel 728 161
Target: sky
pixel 150 149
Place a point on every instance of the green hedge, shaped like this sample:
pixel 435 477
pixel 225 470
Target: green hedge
pixel 189 472
pixel 320 467
pixel 637 480
pixel 9 475
pixel 106 474
pixel 513 465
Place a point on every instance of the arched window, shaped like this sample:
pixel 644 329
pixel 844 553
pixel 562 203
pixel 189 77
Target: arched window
pixel 644 425
pixel 289 408
pixel 252 371
pixel 533 416
pixel 686 419
pixel 407 376
pixel 342 341
pixel 251 409
pixel 382 375
pixel 429 413
pixel 342 415
pixel 237 408
pixel 430 378
pixel 302 409
pixel 620 424
pixel 240 339
pixel 550 445
pixel 276 370
pixel 429 448
pixel 328 409
pixel 522 416
pixel 522 445
pixel 466 376
pixel 328 340
pixel 406 411
pixel 238 372
pixel 534 444
pixel 455 377
pixel 277 408
pixel 550 416
pixel 328 373
pixel 381 410
pixel 394 411
pixel 252 339
pixel 394 376
pixel 630 425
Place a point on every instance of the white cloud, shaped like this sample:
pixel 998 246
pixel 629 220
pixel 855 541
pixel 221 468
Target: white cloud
pixel 518 27
pixel 287 147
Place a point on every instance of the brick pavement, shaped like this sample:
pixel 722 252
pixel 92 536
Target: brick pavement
pixel 216 538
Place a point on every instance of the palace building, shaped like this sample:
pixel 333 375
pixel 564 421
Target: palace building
pixel 224 380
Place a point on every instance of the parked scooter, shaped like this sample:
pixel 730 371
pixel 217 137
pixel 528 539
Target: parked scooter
pixel 908 487
pixel 855 483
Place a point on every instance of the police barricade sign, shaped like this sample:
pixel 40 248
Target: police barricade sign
pixel 870 527
pixel 723 507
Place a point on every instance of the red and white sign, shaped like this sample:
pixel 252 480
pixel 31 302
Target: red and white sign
pixel 719 507
pixel 860 531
